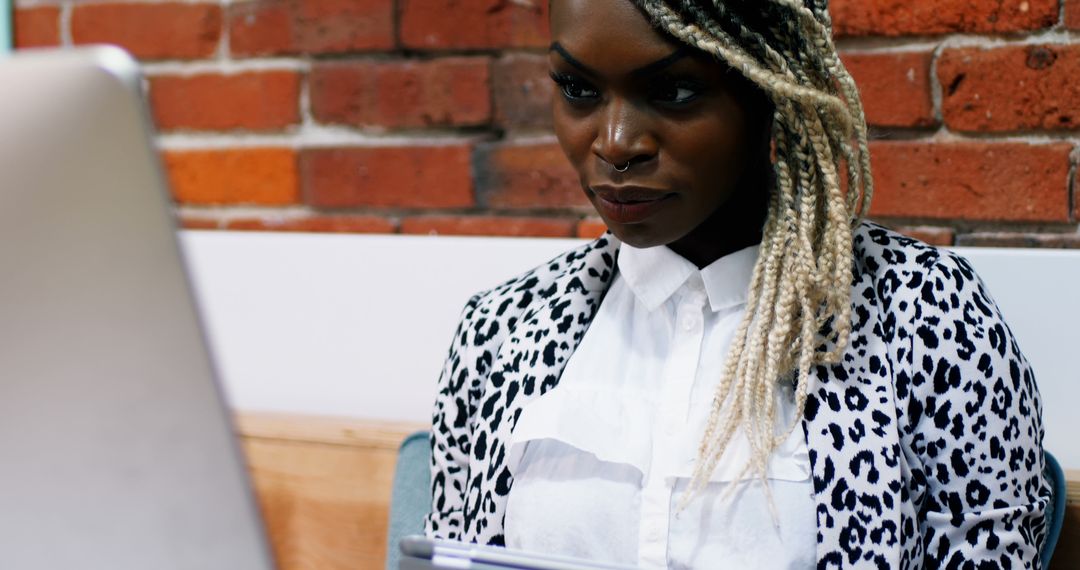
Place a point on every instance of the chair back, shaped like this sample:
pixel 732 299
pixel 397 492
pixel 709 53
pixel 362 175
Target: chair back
pixel 411 498
pixel 1055 511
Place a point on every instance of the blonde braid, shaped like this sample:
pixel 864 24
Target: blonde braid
pixel 820 23
pixel 798 306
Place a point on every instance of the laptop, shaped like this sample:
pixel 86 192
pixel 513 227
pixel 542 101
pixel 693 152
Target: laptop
pixel 116 451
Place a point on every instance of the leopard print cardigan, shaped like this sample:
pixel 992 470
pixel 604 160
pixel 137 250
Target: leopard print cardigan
pixel 925 441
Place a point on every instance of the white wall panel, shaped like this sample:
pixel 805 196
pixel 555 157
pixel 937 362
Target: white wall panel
pixel 359 325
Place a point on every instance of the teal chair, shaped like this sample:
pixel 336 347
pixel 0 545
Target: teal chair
pixel 411 500
pixel 1055 512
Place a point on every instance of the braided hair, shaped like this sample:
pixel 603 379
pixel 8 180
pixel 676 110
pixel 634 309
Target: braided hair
pixel 799 307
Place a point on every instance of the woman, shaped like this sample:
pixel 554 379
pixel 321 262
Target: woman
pixel 742 374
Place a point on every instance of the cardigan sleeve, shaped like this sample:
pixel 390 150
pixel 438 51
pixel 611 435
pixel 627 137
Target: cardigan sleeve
pixel 975 422
pixel 450 431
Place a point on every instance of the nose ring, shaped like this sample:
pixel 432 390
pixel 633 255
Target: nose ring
pixel 623 169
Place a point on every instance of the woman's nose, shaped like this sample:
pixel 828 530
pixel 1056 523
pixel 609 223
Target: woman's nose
pixel 623 137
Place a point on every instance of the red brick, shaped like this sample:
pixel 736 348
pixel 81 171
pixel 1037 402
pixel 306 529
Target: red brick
pixel 534 175
pixel 1011 89
pixel 407 176
pixel 522 91
pixel 929 17
pixel 37 27
pixel 971 181
pixel 453 91
pixel 269 27
pixel 591 228
pixel 474 24
pixel 1013 239
pixel 1072 14
pixel 318 224
pixel 488 226
pixel 150 31
pixel 895 87
pixel 199 223
pixel 264 176
pixel 254 101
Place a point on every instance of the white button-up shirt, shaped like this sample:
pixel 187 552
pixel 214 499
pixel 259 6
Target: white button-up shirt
pixel 601 461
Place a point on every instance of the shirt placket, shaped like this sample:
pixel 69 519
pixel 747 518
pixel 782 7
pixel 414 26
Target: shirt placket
pixel 669 429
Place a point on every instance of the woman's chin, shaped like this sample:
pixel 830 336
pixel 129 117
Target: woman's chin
pixel 641 235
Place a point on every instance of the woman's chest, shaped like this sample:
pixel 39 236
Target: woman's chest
pixel 850 423
pixel 615 444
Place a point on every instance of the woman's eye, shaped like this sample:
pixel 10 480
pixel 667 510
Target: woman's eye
pixel 677 93
pixel 573 89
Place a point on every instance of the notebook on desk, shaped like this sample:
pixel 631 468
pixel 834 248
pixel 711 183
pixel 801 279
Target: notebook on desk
pixel 420 553
pixel 116 451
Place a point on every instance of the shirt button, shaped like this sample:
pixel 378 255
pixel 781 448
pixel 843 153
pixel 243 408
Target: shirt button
pixel 690 323
pixel 695 283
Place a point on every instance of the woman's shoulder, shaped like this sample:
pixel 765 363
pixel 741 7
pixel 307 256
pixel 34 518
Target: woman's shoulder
pixel 931 300
pixel 581 270
pixel 927 298
pixel 898 264
pixel 879 250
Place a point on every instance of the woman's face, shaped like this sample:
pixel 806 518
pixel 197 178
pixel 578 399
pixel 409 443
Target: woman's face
pixel 629 96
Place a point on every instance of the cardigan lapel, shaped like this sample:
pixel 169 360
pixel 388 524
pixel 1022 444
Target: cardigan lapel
pixel 530 362
pixel 547 337
pixel 853 437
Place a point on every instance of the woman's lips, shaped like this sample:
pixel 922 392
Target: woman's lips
pixel 629 205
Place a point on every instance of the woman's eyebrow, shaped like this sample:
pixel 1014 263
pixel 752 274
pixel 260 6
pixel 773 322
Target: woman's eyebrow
pixel 661 64
pixel 647 69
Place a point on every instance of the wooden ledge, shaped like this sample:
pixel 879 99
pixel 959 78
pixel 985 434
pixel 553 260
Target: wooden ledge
pixel 324 430
pixel 323 486
pixel 1072 484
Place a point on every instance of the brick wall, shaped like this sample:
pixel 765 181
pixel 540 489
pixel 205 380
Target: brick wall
pixel 420 116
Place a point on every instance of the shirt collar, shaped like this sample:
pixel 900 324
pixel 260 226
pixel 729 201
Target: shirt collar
pixel 727 280
pixel 654 274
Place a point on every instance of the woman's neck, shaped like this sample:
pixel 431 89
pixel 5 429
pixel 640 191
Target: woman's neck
pixel 735 225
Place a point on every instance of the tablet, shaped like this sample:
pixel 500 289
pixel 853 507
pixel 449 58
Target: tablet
pixel 422 553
